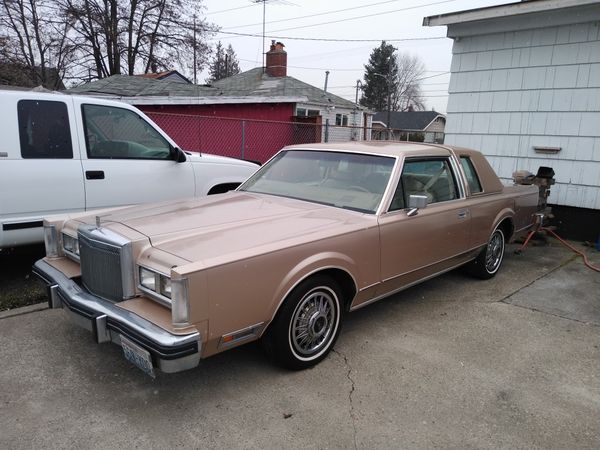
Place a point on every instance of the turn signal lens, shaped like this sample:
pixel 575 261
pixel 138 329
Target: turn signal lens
pixel 180 303
pixel 51 241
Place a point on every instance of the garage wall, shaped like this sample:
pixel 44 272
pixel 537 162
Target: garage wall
pixel 515 90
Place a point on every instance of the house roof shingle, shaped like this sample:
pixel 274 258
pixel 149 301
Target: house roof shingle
pixel 252 83
pixel 407 120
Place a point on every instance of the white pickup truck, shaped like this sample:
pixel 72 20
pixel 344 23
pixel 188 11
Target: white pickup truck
pixel 61 153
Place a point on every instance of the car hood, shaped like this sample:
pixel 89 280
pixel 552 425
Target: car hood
pixel 238 224
pixel 196 158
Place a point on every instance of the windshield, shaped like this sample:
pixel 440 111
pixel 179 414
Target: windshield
pixel 345 180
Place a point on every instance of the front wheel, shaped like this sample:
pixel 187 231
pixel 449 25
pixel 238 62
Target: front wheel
pixel 307 325
pixel 488 262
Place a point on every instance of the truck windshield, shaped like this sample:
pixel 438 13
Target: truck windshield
pixel 345 180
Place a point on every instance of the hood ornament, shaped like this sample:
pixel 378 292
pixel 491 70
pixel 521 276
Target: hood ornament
pixel 97 221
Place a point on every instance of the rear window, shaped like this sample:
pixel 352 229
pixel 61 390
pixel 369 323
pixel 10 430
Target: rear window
pixel 44 130
pixel 471 174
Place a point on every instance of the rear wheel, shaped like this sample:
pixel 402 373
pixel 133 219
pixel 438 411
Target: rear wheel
pixel 488 262
pixel 307 325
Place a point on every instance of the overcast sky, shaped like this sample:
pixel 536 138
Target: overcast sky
pixel 366 20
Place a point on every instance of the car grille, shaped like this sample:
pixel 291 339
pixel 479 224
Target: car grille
pixel 103 264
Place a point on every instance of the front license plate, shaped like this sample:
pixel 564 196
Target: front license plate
pixel 138 356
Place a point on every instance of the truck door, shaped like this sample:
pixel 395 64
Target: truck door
pixel 40 167
pixel 436 238
pixel 128 160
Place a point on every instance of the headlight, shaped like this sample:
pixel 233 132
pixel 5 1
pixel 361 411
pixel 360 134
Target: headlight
pixel 157 283
pixel 165 286
pixel 51 241
pixel 180 303
pixel 148 278
pixel 70 244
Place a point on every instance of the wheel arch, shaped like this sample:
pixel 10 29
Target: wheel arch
pixel 508 228
pixel 222 188
pixel 504 221
pixel 340 275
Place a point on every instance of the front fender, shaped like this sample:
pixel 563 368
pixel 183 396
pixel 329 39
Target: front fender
pixel 308 267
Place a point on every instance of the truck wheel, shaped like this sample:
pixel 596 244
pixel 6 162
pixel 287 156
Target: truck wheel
pixel 488 262
pixel 307 325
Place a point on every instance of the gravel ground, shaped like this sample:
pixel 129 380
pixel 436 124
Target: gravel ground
pixel 18 286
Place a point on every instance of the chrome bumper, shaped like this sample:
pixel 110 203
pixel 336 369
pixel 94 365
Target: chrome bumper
pixel 107 322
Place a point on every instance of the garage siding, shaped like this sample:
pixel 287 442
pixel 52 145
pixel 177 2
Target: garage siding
pixel 513 91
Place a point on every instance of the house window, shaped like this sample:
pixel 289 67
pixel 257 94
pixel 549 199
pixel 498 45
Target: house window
pixel 303 112
pixel 341 120
pixel 44 130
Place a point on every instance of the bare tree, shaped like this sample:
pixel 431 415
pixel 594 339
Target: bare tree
pixel 407 95
pixel 34 41
pixel 137 36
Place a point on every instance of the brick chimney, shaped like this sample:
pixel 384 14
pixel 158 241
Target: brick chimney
pixel 276 60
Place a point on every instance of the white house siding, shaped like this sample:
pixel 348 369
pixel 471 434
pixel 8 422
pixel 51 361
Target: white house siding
pixel 353 131
pixel 511 91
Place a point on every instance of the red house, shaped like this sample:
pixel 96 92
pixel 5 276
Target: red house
pixel 250 115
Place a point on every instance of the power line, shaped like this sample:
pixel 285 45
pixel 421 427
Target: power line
pixel 291 38
pixel 230 9
pixel 363 17
pixel 336 69
pixel 314 15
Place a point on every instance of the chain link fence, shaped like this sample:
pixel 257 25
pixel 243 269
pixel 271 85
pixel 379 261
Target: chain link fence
pixel 258 140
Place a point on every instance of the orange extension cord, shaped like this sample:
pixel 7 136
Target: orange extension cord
pixel 562 241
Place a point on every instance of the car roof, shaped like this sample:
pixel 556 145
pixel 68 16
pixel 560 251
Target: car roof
pixel 383 148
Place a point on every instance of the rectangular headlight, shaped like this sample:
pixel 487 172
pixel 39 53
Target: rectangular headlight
pixel 70 244
pixel 165 286
pixel 148 278
pixel 180 303
pixel 51 241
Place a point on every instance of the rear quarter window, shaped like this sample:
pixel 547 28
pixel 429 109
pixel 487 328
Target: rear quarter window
pixel 44 130
pixel 471 174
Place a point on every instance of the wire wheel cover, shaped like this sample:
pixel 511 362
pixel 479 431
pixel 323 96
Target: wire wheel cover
pixel 314 322
pixel 495 251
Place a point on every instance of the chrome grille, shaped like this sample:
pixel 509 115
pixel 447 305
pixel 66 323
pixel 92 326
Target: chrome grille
pixel 105 263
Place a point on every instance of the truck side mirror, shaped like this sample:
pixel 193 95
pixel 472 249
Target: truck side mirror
pixel 178 155
pixel 416 202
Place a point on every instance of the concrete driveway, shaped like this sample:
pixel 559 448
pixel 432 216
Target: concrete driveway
pixel 453 363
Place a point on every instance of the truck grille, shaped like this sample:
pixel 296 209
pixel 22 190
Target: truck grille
pixel 106 265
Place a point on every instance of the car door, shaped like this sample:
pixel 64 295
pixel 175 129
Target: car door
pixel 128 161
pixel 436 237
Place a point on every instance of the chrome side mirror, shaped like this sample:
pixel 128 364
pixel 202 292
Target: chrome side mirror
pixel 416 202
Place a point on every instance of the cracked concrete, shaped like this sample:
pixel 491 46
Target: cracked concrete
pixel 445 364
pixel 352 389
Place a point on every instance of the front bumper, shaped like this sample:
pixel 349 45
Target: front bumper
pixel 107 322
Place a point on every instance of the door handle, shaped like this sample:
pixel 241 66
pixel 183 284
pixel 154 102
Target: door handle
pixel 463 214
pixel 94 174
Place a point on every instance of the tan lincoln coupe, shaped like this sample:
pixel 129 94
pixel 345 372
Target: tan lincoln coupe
pixel 318 231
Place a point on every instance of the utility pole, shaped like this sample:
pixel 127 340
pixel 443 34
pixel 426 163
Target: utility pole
pixel 389 104
pixel 389 99
pixel 195 64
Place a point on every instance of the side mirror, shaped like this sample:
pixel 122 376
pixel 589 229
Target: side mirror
pixel 416 202
pixel 178 155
